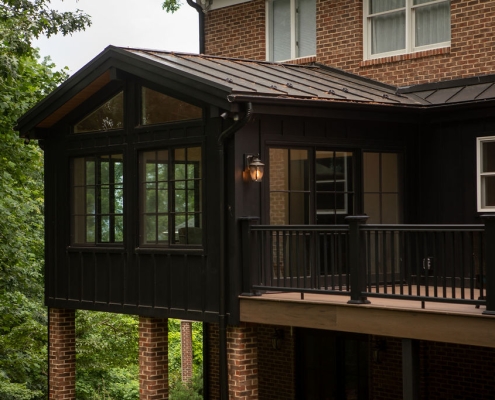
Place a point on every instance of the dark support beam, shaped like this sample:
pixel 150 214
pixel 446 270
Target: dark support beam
pixel 356 264
pixel 247 252
pixel 489 265
pixel 410 369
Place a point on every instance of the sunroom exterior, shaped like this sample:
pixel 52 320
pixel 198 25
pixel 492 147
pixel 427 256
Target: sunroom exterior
pixel 150 209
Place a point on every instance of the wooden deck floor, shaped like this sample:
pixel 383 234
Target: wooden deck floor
pixel 443 322
pixel 413 305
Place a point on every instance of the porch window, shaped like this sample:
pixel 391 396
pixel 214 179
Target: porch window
pixel 98 199
pixel 171 196
pixel 310 186
pixel 405 26
pixel 158 108
pixel 291 29
pixel 108 116
pixel 381 187
pixel 486 173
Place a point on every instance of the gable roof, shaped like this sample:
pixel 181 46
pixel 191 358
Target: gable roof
pixel 222 82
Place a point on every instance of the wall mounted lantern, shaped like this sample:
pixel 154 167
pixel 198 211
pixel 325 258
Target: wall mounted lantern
pixel 253 164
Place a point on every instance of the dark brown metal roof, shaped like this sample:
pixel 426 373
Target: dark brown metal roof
pixel 466 90
pixel 277 80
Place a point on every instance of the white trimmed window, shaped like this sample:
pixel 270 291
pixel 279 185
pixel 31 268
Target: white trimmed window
pixel 486 173
pixel 393 27
pixel 291 29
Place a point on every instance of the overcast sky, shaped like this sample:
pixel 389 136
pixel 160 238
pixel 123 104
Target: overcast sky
pixel 126 23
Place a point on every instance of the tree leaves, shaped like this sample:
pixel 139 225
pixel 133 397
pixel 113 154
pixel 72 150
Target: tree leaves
pixel 171 6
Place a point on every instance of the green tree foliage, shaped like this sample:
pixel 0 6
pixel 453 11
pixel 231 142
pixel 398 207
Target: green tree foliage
pixel 21 21
pixel 24 80
pixel 22 315
pixel 171 6
pixel 107 356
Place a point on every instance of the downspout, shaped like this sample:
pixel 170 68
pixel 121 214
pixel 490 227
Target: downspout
pixel 222 317
pixel 199 9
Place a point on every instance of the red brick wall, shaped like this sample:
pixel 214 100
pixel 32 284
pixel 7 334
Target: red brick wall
pixel 186 351
pixel 153 358
pixel 213 366
pixel 386 373
pixel 242 356
pixel 276 367
pixel 239 31
pixel 62 355
pixel 447 371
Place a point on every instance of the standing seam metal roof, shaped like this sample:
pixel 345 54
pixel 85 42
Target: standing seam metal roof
pixel 278 80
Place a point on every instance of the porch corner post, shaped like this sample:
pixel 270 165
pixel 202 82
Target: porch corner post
pixel 356 266
pixel 246 258
pixel 489 248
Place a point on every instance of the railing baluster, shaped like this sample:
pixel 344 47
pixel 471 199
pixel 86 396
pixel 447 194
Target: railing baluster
pixel 377 260
pixel 392 261
pixel 322 259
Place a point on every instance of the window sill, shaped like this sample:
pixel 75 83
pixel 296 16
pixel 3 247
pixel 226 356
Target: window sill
pixel 404 57
pixel 301 61
pixel 191 250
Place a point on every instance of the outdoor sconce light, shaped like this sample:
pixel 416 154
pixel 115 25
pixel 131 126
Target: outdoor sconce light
pixel 379 348
pixel 255 167
pixel 277 337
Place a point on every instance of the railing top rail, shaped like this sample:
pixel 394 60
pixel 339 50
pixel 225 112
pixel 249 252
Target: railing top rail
pixel 424 227
pixel 304 228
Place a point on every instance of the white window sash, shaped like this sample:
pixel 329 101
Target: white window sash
pixel 410 26
pixel 482 175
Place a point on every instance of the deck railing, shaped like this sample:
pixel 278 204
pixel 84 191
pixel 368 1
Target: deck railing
pixel 441 263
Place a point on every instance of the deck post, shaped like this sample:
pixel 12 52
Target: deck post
pixel 410 369
pixel 489 249
pixel 247 272
pixel 356 266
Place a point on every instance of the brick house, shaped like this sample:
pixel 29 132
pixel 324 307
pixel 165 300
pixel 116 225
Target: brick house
pixel 358 268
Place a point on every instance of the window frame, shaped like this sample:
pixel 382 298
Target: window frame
pixel 98 186
pixel 171 183
pixel 480 187
pixel 294 32
pixel 410 23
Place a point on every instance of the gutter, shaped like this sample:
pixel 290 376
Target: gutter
pixel 222 317
pixel 201 15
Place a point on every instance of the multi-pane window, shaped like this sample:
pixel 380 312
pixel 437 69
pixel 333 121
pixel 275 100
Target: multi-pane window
pixel 405 26
pixel 108 116
pixel 171 196
pixel 294 199
pixel 98 199
pixel 486 173
pixel 381 187
pixel 291 29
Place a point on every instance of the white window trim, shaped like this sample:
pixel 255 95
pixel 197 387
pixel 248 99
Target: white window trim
pixel 410 23
pixel 480 175
pixel 293 31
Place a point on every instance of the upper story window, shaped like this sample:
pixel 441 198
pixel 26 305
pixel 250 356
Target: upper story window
pixel 291 29
pixel 395 27
pixel 171 196
pixel 108 116
pixel 486 173
pixel 158 108
pixel 98 199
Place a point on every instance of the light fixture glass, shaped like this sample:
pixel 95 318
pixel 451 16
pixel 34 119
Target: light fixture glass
pixel 256 169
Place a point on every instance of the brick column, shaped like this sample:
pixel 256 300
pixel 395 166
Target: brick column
pixel 62 354
pixel 242 353
pixel 153 358
pixel 187 351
